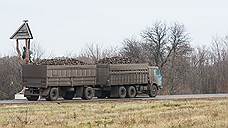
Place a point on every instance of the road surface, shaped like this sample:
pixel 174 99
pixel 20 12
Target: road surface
pixel 159 97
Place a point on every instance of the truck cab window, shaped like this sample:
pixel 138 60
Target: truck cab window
pixel 157 72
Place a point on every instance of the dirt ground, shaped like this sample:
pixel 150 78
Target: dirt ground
pixel 204 113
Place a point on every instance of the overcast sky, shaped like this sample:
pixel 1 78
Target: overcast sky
pixel 62 26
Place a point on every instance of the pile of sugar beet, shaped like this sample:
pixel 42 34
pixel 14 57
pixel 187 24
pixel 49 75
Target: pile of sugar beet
pixel 74 61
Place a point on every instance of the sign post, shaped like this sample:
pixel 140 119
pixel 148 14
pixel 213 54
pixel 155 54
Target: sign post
pixel 23 33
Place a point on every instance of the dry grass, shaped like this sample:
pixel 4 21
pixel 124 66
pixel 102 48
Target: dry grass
pixel 131 114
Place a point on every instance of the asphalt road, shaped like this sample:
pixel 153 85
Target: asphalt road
pixel 159 97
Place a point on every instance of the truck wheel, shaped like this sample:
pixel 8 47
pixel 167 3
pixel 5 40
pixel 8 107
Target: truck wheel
pixel 88 93
pixel 131 92
pixel 68 95
pixel 32 98
pixel 153 91
pixel 53 94
pixel 122 92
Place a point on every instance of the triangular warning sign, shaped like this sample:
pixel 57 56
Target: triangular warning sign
pixel 23 32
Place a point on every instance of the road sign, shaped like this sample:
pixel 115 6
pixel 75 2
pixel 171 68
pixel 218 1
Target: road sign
pixel 23 32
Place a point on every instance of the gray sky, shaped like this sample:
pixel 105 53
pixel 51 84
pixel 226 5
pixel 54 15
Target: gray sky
pixel 62 26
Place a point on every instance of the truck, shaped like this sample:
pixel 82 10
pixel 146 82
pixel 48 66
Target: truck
pixel 87 81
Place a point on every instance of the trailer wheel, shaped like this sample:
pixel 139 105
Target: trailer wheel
pixel 131 92
pixel 32 98
pixel 68 95
pixel 88 93
pixel 122 92
pixel 153 91
pixel 53 94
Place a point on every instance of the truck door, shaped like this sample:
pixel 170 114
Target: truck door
pixel 155 76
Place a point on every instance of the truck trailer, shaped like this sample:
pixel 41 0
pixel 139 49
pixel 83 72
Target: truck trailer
pixel 88 81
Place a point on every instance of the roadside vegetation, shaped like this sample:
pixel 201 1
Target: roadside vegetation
pixel 210 113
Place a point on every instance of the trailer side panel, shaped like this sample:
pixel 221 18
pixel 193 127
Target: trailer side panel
pixel 76 75
pixel 128 74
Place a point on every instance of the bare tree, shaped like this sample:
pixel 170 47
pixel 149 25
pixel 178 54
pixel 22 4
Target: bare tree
pixel 37 51
pixel 163 44
pixel 199 70
pixel 133 49
pixel 218 54
pixel 94 52
pixel 110 52
pixel 10 77
pixel 179 45
pixel 156 43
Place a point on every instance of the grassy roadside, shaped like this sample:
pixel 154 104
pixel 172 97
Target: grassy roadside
pixel 132 114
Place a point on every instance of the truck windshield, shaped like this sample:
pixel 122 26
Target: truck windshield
pixel 158 77
pixel 157 72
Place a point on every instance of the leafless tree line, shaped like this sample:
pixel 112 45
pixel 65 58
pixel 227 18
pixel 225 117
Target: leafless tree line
pixel 10 77
pixel 208 68
pixel 94 52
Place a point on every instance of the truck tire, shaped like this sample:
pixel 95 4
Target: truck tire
pixel 122 92
pixel 53 94
pixel 131 92
pixel 88 93
pixel 68 95
pixel 32 98
pixel 152 92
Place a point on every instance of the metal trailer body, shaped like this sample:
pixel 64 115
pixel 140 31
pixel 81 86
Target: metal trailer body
pixel 85 81
pixel 139 78
pixel 40 79
pixel 122 74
